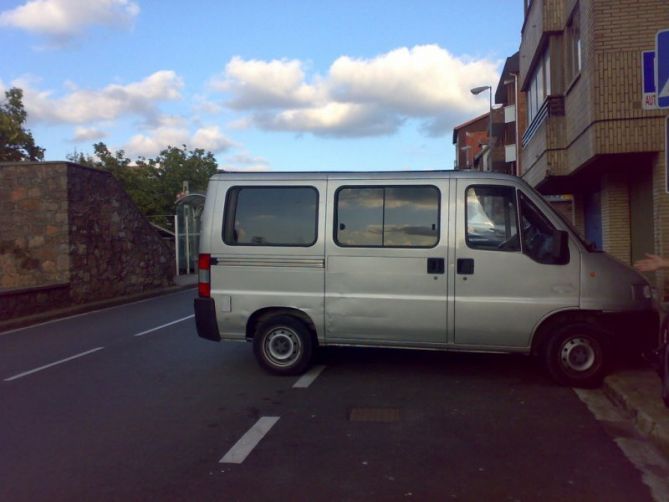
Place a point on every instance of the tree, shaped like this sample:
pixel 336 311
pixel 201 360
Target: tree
pixel 16 142
pixel 153 184
pixel 176 165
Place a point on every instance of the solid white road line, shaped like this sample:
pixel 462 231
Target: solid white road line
pixel 164 325
pixel 308 378
pixel 30 372
pixel 248 441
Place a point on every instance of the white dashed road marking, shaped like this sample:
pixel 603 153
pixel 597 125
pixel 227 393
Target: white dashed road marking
pixel 30 372
pixel 308 378
pixel 164 325
pixel 248 441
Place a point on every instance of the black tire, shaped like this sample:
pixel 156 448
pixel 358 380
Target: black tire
pixel 575 356
pixel 283 345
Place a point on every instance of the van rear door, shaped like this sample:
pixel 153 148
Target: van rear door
pixel 268 249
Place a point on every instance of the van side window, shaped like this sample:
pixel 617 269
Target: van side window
pixel 271 216
pixel 491 218
pixel 537 233
pixel 387 216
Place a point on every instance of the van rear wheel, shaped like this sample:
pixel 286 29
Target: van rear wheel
pixel 283 345
pixel 575 356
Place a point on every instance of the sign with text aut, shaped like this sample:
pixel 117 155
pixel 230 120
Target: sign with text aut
pixel 662 68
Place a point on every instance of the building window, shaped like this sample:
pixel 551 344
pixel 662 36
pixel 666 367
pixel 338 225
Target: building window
pixel 271 216
pixel 387 216
pixel 540 86
pixel 574 57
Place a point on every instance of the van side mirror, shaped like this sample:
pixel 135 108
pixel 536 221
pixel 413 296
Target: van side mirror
pixel 560 251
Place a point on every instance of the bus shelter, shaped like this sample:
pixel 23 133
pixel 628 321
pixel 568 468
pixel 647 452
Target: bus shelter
pixel 187 223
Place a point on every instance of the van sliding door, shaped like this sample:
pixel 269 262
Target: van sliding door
pixel 386 280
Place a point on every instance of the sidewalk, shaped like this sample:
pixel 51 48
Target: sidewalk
pixel 638 392
pixel 180 282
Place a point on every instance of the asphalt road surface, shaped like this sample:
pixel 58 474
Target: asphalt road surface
pixel 127 403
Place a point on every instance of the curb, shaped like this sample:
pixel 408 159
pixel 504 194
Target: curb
pixel 638 393
pixel 27 321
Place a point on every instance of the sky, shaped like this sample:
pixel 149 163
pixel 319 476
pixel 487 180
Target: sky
pixel 265 85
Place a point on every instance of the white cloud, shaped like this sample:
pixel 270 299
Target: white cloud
pixel 87 134
pixel 245 163
pixel 333 119
pixel 62 20
pixel 416 82
pixel 85 106
pixel 153 142
pixel 360 97
pixel 211 139
pixel 201 104
pixel 147 145
pixel 265 84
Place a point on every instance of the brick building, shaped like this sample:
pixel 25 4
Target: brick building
pixel 512 120
pixel 469 139
pixel 587 133
pixel 471 142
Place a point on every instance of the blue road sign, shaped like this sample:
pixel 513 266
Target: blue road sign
pixel 662 68
pixel 648 90
pixel 648 71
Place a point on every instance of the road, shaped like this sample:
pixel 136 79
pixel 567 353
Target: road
pixel 127 403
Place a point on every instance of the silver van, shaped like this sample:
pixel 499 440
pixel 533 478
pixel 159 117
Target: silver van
pixel 445 260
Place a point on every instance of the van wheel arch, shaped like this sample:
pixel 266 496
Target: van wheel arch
pixel 265 314
pixel 553 323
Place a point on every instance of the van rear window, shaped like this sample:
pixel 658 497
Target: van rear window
pixel 271 216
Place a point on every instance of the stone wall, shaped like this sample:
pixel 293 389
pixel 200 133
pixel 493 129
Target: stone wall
pixel 71 235
pixel 34 232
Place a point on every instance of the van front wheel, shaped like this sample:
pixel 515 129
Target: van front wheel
pixel 575 356
pixel 283 345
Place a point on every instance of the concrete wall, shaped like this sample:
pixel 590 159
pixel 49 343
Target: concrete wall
pixel 71 235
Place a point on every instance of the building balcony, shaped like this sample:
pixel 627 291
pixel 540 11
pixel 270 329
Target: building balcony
pixel 509 114
pixel 510 153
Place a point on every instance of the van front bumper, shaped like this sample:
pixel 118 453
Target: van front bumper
pixel 205 319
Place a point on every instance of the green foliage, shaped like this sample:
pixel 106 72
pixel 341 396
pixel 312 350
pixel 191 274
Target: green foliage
pixel 16 142
pixel 153 184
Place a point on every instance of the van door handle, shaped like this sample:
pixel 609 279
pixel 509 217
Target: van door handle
pixel 435 266
pixel 465 266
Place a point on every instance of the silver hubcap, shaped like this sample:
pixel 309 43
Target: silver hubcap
pixel 578 354
pixel 283 346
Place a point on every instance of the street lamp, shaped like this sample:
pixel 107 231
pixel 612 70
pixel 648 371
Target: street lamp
pixel 478 90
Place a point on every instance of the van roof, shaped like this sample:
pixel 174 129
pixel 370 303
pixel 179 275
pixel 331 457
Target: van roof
pixel 358 175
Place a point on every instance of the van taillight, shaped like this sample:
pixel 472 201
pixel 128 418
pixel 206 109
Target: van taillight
pixel 204 275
